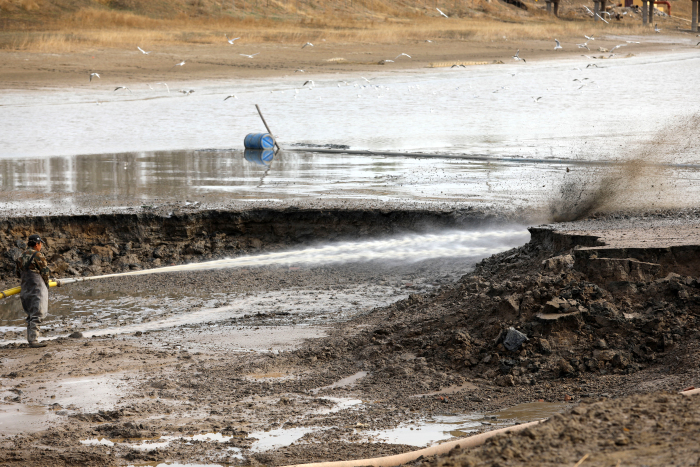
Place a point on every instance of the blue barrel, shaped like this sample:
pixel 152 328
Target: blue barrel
pixel 259 156
pixel 259 141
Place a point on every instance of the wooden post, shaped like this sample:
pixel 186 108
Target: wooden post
pixel 556 8
pixel 694 17
pixel 596 9
pixel 603 7
pixel 549 7
pixel 645 16
pixel 651 11
pixel 267 127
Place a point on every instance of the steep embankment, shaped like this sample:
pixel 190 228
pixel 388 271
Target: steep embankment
pixel 102 244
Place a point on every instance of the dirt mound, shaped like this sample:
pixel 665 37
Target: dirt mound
pixel 526 317
pixel 655 429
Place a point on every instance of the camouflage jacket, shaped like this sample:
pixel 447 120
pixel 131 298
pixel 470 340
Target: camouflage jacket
pixel 38 264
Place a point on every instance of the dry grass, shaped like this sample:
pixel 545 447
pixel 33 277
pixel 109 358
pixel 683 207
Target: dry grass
pixel 287 21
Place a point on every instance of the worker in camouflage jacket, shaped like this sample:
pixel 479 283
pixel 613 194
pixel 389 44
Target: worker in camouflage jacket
pixel 34 272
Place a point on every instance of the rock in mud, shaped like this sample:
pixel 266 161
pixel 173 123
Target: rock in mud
pixel 514 339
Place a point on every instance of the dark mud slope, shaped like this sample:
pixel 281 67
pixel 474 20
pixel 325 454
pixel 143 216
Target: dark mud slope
pixel 655 429
pixel 531 317
pixel 99 244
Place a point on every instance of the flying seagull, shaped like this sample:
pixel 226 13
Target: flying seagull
pixel 186 92
pixel 229 97
pixel 93 74
pixel 368 80
pixel 428 40
pixel 166 86
pixel 536 99
pixel 656 27
pixel 558 46
pixel 591 64
pixel 123 87
pixel 440 11
pixel 617 47
pixel 307 44
pixel 250 56
pixel 182 63
pixel 516 57
pixel 583 46
pixel 299 71
pixel 231 41
pixel 633 42
pixel 606 22
pixel 591 38
pixel 309 81
pixel 143 51
pixel 402 55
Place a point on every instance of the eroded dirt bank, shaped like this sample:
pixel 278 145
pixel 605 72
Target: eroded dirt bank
pixel 599 326
pixel 107 243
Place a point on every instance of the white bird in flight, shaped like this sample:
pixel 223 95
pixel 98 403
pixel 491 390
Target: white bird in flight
pixel 299 71
pixel 656 27
pixel 307 44
pixel 617 47
pixel 440 11
pixel 583 46
pixel 309 81
pixel 633 42
pixel 93 74
pixel 606 22
pixel 229 97
pixel 250 56
pixel 231 41
pixel 143 51
pixel 558 46
pixel 186 92
pixel 516 57
pixel 402 55
pixel 166 86
pixel 123 87
pixel 590 38
pixel 368 80
pixel 182 63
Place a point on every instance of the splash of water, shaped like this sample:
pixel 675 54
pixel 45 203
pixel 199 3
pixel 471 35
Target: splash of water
pixel 408 248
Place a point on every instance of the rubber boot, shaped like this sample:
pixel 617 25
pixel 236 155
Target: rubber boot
pixel 33 338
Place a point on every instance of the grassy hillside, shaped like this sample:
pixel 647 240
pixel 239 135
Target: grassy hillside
pixel 66 25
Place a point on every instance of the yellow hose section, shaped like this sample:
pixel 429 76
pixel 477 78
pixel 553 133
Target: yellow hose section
pixel 16 290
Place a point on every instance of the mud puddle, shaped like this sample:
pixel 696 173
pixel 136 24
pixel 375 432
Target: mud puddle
pixel 444 427
pixel 35 407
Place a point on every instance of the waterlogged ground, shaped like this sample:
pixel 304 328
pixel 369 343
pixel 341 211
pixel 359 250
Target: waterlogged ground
pixel 196 366
pixel 85 150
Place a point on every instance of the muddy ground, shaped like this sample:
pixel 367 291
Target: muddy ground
pixel 603 325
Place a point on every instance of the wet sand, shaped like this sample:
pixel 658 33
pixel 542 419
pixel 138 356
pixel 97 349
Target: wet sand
pixel 22 71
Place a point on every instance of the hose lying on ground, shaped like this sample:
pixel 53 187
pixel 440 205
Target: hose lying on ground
pixel 398 459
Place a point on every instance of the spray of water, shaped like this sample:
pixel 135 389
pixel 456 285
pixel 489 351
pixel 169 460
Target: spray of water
pixel 408 248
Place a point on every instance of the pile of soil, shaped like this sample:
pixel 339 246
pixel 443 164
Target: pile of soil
pixel 580 323
pixel 655 429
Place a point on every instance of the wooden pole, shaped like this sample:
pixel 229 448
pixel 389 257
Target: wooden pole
pixel 651 11
pixel 694 23
pixel 645 17
pixel 267 127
